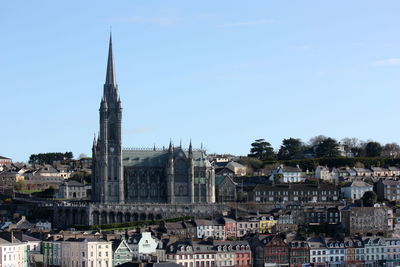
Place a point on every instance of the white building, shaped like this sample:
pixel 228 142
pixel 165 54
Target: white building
pixel 356 189
pixel 392 251
pixel 336 252
pixel 318 251
pixel 323 173
pixel 288 174
pixel 72 190
pixel 78 253
pixel 374 249
pixel 208 228
pixel 13 253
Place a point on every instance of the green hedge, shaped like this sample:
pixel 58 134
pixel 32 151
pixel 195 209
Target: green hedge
pixel 128 224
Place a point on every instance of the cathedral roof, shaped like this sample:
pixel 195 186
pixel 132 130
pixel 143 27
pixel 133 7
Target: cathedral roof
pixel 159 157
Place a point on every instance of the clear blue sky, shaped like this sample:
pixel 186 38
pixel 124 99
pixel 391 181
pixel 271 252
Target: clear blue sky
pixel 220 72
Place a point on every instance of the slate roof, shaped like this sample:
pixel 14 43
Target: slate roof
pixel 294 187
pixel 358 183
pixel 233 164
pixel 73 183
pixel 390 182
pixel 362 170
pixel 1 157
pixel 316 243
pixel 290 169
pixel 159 158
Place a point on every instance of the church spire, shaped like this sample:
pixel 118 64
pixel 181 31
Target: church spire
pixel 190 148
pixel 110 75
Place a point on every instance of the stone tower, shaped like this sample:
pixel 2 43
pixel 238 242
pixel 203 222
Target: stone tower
pixel 107 173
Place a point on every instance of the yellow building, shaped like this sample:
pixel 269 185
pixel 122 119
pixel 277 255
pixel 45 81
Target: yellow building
pixel 266 224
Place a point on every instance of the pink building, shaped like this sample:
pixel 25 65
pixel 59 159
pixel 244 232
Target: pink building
pixel 230 227
pixel 5 161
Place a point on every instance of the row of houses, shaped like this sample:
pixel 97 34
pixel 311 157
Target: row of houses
pixel 333 174
pixel 144 247
pixel 275 250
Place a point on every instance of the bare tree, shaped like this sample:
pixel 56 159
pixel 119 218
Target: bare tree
pixel 391 150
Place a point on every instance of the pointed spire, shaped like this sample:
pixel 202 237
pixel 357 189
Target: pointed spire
pixel 94 140
pixel 110 75
pixel 170 149
pixel 190 148
pixel 180 144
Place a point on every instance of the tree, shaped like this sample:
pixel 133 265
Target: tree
pixel 391 150
pixel 327 148
pixel 49 158
pixel 20 185
pixel 373 149
pixel 316 140
pixel 82 177
pixel 369 198
pixel 291 148
pixel 262 150
pixel 352 145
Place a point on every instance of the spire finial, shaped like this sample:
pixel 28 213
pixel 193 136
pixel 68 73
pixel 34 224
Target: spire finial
pixel 170 146
pixel 180 144
pixel 110 75
pixel 190 147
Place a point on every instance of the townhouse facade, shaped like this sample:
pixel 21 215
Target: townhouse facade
pixel 304 193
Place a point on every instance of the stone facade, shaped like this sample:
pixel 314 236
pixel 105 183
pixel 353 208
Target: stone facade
pixel 364 220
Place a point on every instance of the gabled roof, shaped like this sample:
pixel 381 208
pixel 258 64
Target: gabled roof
pixel 358 183
pixel 231 165
pixel 390 182
pixel 118 244
pixel 72 183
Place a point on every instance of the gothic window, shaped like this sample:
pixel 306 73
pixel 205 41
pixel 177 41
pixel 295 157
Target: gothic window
pixel 181 171
pixel 181 190
pixel 143 190
pixel 153 190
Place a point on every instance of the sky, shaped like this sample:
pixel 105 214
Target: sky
pixel 221 73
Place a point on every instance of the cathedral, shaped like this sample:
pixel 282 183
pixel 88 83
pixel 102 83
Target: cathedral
pixel 174 175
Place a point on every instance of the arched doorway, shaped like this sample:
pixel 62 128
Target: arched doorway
pixel 96 218
pixel 104 217
pixel 112 217
pixel 120 217
pixel 127 217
